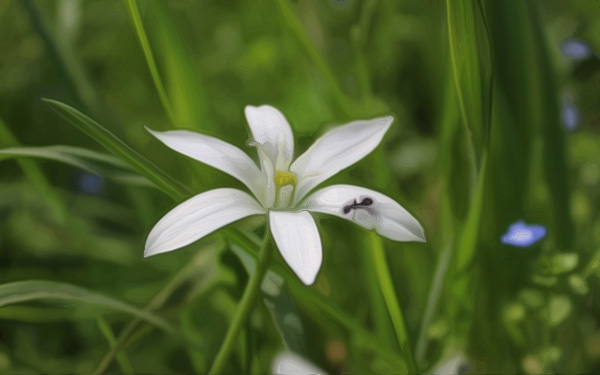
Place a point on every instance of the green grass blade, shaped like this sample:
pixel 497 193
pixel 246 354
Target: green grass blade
pixel 471 67
pixel 65 59
pixel 88 160
pixel 311 301
pixel 526 80
pixel 35 290
pixel 136 18
pixel 183 82
pixel 297 29
pixel 126 366
pixel 119 148
pixel 37 178
pixel 201 271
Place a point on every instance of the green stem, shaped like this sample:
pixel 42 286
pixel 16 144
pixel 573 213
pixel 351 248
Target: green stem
pixel 62 53
pixel 244 307
pixel 126 366
pixel 389 295
pixel 155 303
pixel 141 32
pixel 299 32
pixel 433 299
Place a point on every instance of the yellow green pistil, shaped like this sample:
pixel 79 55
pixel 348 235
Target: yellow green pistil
pixel 285 178
pixel 285 183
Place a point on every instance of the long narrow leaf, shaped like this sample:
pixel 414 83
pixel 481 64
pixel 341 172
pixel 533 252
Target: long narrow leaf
pixel 119 148
pixel 90 161
pixel 34 290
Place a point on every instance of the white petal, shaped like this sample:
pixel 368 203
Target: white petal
pixel 267 170
pixel 337 149
pixel 270 129
pixel 199 216
pixel 287 363
pixel 384 215
pixel 451 366
pixel 216 153
pixel 298 240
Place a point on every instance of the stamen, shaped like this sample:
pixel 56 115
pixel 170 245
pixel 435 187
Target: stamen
pixel 285 178
pixel 285 184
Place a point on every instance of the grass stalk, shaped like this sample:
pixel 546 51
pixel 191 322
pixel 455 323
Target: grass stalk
pixel 393 305
pixel 244 307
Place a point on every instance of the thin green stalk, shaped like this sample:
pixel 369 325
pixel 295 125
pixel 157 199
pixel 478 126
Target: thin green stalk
pixel 110 337
pixel 36 177
pixel 381 318
pixel 433 298
pixel 244 307
pixel 389 294
pixel 455 69
pixel 359 35
pixel 298 30
pixel 72 70
pixel 155 303
pixel 141 33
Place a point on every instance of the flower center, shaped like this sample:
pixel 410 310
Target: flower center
pixel 285 183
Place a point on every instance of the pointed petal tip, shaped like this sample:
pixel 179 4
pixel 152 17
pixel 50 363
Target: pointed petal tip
pixel 252 108
pixel 152 249
pixel 299 243
pixel 155 133
pixel 388 120
pixel 308 280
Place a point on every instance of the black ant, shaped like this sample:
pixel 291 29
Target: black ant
pixel 366 202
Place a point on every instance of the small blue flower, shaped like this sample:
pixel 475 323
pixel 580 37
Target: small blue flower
pixel 570 115
pixel 523 235
pixel 89 183
pixel 575 48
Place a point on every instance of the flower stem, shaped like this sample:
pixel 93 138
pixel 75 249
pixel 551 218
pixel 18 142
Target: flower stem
pixel 244 307
pixel 389 295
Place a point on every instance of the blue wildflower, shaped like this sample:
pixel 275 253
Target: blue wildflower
pixel 575 48
pixel 570 115
pixel 523 235
pixel 89 183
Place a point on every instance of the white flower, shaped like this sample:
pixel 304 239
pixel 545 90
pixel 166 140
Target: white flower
pixel 288 363
pixel 281 189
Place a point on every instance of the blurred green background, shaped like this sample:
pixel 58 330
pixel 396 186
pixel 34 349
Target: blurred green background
pixel 496 121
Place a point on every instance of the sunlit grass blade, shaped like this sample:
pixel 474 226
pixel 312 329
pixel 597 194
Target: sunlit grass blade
pixel 202 270
pixel 38 314
pixel 471 65
pixel 183 82
pixel 138 25
pixel 393 305
pixel 36 290
pixel 298 31
pixel 433 299
pixel 526 79
pixel 119 148
pixel 35 175
pixel 126 366
pixel 469 236
pixel 310 300
pixel 88 160
pixel 65 59
pixel 381 318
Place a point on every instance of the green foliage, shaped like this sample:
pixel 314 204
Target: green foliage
pixel 475 88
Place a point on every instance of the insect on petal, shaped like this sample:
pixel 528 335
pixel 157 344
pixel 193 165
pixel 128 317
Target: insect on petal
pixel 367 208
